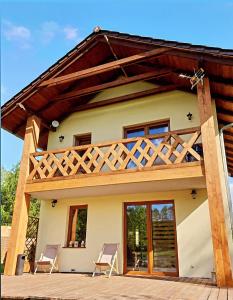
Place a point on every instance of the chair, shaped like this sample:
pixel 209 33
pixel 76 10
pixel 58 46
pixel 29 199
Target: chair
pixel 48 258
pixel 108 259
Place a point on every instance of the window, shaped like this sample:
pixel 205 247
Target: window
pixel 150 128
pixel 82 139
pixel 77 226
pixel 145 129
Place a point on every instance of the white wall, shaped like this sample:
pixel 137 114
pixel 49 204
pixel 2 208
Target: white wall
pixel 106 123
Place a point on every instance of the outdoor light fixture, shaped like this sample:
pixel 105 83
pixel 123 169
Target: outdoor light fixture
pixel 55 124
pixel 61 138
pixel 194 194
pixel 196 78
pixel 54 202
pixel 189 116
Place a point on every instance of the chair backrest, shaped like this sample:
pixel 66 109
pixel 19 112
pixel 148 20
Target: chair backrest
pixel 50 252
pixel 109 251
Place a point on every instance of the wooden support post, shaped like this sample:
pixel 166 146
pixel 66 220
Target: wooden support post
pixel 215 197
pixel 22 200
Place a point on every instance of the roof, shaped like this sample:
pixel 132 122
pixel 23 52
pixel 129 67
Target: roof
pixel 103 46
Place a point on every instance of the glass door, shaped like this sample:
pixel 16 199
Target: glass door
pixel 136 238
pixel 150 238
pixel 163 238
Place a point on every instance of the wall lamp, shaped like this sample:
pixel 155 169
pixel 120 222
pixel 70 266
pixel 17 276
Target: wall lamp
pixel 194 194
pixel 54 202
pixel 61 138
pixel 189 116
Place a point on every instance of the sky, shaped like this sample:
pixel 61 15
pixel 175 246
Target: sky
pixel 34 34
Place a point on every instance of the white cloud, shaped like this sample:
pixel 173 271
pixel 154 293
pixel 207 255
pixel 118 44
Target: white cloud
pixel 16 33
pixel 71 33
pixel 49 30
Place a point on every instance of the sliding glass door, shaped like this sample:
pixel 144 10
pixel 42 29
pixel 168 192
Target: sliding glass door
pixel 150 238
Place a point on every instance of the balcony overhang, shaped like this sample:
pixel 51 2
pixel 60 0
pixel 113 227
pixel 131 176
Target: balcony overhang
pixel 159 178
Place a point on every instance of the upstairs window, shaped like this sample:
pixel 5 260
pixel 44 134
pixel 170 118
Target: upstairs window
pixel 77 226
pixel 145 129
pixel 141 130
pixel 82 139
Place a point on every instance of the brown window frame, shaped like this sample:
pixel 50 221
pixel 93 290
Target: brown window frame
pixel 80 136
pixel 149 235
pixel 69 232
pixel 146 126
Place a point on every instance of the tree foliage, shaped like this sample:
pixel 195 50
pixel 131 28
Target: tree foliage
pixel 9 181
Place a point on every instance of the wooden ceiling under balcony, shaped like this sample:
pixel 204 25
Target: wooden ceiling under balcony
pixel 107 59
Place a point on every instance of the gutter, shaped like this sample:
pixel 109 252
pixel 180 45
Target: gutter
pixel 225 169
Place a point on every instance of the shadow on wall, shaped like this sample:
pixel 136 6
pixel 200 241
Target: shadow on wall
pixel 194 238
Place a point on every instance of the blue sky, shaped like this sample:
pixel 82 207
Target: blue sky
pixel 36 33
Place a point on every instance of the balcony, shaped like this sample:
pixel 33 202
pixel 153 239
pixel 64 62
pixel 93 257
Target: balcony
pixel 170 155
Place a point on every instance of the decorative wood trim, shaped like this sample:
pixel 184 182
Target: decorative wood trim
pixel 128 97
pixel 215 197
pixel 115 156
pixel 176 171
pixel 104 67
pixel 118 82
pixel 22 199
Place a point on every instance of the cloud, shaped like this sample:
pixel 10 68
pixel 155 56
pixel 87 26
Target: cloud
pixel 48 31
pixel 16 33
pixel 71 33
pixel 45 33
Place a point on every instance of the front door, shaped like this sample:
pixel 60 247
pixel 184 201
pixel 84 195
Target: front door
pixel 150 238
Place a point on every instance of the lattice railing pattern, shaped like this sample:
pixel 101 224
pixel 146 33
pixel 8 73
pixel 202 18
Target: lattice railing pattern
pixel 168 148
pixel 31 238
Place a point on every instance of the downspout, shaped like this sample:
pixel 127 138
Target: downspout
pixel 225 169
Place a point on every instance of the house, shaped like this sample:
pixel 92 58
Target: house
pixel 122 145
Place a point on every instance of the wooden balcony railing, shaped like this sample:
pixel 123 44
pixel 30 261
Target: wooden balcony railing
pixel 174 147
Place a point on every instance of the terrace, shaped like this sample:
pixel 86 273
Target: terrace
pixel 83 286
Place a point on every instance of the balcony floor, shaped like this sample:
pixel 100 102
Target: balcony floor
pixel 84 287
pixel 164 178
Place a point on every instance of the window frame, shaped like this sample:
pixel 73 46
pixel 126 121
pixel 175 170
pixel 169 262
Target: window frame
pixel 70 221
pixel 78 136
pixel 146 126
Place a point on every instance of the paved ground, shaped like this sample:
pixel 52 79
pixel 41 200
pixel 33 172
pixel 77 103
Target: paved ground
pixel 84 287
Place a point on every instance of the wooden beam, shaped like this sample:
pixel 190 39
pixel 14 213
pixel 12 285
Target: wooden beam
pixel 22 199
pixel 225 117
pixel 179 51
pixel 123 98
pixel 213 183
pixel 97 88
pixel 225 104
pixel 29 113
pixel 104 67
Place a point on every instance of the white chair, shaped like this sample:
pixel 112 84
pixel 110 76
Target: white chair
pixel 48 258
pixel 108 259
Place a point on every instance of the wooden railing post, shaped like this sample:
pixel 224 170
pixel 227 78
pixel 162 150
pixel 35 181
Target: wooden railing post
pixel 22 200
pixel 215 196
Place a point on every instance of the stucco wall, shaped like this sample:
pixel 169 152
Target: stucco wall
pixel 105 224
pixel 105 214
pixel 106 123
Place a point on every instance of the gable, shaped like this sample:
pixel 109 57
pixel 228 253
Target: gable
pixel 94 66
